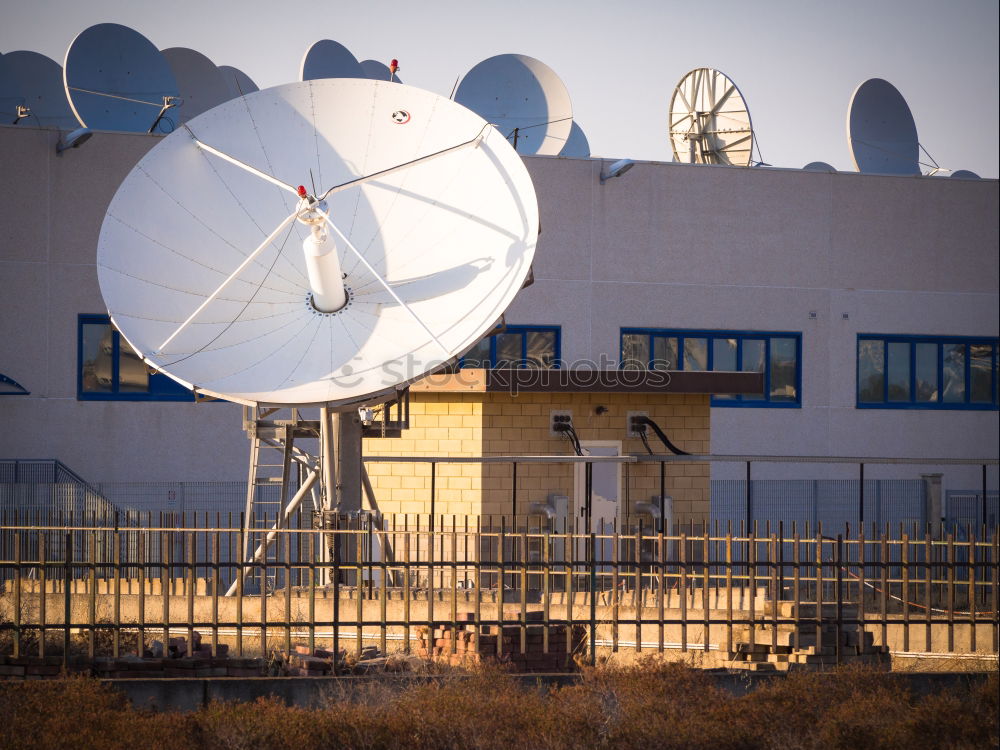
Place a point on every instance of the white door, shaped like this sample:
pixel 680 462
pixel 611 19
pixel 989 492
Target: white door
pixel 605 502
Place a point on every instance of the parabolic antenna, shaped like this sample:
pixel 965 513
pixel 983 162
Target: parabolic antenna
pixel 881 131
pixel 524 98
pixel 116 79
pixel 378 71
pixel 31 92
pixel 709 120
pixel 415 231
pixel 819 166
pixel 201 83
pixel 577 144
pixel 239 83
pixel 965 174
pixel 329 59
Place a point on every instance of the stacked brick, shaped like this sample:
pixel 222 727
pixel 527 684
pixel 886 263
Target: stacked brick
pixel 34 668
pixel 811 645
pixel 180 660
pixel 458 645
pixel 306 662
pixel 50 667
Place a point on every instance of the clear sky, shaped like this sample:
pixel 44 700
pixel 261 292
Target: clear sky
pixel 797 62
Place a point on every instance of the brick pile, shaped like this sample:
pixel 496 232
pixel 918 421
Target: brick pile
pixel 457 646
pixel 306 662
pixel 179 661
pixel 815 646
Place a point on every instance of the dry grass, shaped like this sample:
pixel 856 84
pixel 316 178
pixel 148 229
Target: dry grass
pixel 648 705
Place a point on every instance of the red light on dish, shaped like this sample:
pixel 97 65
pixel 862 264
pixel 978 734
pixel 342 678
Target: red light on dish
pixel 302 191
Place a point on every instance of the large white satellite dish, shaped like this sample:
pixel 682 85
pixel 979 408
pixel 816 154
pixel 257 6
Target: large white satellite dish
pixel 116 79
pixel 881 131
pixel 201 83
pixel 709 120
pixel 524 98
pixel 226 275
pixel 31 92
pixel 329 59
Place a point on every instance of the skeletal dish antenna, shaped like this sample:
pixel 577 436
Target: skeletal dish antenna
pixel 378 71
pixel 819 166
pixel 202 85
pixel 239 83
pixel 577 144
pixel 881 131
pixel 524 98
pixel 31 92
pixel 329 59
pixel 709 120
pixel 116 79
pixel 317 243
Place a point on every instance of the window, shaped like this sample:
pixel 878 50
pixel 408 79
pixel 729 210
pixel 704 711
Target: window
pixel 926 372
pixel 777 355
pixel 109 369
pixel 535 347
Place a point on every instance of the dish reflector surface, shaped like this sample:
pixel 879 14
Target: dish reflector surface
pixel 577 144
pixel 239 83
pixel 517 91
pixel 329 59
pixel 116 79
pixel 377 71
pixel 881 131
pixel 709 120
pixel 28 79
pixel 453 236
pixel 201 84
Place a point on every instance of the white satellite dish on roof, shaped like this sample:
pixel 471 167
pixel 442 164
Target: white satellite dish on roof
pixel 329 59
pixel 224 274
pixel 116 79
pixel 880 130
pixel 965 174
pixel 709 120
pixel 31 92
pixel 524 98
pixel 239 83
pixel 200 82
pixel 577 144
pixel 819 166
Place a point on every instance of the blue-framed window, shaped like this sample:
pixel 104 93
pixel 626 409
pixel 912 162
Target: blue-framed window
pixel 926 372
pixel 535 347
pixel 108 369
pixel 777 354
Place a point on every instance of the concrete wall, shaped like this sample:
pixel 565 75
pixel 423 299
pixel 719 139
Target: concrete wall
pixel 666 245
pixel 683 246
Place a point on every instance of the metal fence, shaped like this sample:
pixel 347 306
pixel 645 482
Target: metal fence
pixel 381 579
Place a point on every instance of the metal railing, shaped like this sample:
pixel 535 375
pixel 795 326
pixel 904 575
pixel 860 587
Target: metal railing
pixel 385 579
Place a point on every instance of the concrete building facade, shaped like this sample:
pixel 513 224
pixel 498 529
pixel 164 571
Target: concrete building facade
pixel 821 260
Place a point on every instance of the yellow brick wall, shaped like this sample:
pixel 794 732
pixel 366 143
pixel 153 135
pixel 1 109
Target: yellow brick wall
pixel 499 424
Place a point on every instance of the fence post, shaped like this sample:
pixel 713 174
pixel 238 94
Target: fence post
pixel 592 562
pixel 67 596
